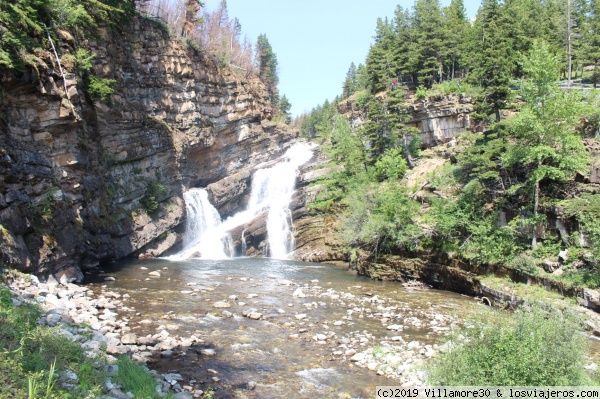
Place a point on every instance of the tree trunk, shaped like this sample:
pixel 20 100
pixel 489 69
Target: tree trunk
pixel 497 112
pixel 536 200
pixel 411 163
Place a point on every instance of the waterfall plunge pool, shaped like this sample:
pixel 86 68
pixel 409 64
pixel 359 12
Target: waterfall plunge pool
pixel 316 322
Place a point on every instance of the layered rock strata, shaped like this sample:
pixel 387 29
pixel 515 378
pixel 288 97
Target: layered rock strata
pixel 84 181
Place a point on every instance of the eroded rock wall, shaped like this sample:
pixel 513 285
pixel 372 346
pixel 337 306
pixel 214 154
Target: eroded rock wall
pixel 76 175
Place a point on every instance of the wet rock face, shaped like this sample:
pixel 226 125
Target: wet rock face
pixel 83 181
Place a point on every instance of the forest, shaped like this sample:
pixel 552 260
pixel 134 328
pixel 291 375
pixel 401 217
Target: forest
pixel 529 157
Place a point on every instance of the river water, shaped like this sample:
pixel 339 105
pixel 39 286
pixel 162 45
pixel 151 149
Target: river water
pixel 322 331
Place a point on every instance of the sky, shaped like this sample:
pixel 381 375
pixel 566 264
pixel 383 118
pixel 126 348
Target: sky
pixel 315 40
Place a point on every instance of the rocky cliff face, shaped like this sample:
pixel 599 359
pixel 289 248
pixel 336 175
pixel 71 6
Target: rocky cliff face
pixel 440 119
pixel 79 178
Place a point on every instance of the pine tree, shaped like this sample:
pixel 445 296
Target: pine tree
pixel 455 31
pixel 381 69
pixel 428 33
pixel 403 40
pixel 284 107
pixel 593 37
pixel 492 56
pixel 351 84
pixel 267 68
pixel 191 19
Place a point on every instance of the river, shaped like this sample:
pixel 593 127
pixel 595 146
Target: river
pixel 309 330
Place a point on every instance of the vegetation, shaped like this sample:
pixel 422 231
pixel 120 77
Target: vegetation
pixel 151 199
pixel 32 356
pixel 527 348
pixel 24 25
pixel 489 206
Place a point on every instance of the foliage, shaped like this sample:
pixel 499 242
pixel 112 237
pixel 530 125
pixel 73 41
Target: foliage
pixel 267 67
pixel 30 354
pixel 150 200
pixel 391 165
pixel 100 89
pixel 136 379
pixel 525 264
pixel 523 349
pixel 23 24
pixel 380 217
pixel 587 212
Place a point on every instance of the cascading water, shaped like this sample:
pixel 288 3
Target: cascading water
pixel 271 192
pixel 203 220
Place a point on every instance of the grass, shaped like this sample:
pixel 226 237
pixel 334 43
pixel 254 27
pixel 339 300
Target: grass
pixel 32 356
pixel 532 293
pixel 135 379
pixel 533 348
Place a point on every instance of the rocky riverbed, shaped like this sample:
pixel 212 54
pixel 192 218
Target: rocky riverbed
pixel 253 328
pixel 262 328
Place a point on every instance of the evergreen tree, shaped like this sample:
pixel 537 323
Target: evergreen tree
pixel 428 34
pixel 381 69
pixel 403 41
pixel 351 84
pixel 492 56
pixel 455 31
pixel 191 19
pixel 267 68
pixel 593 37
pixel 546 145
pixel 284 107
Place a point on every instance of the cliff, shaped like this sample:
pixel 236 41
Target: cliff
pixel 83 181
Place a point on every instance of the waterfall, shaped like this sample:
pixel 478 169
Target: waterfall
pixel 271 192
pixel 203 221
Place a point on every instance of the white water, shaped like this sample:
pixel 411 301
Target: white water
pixel 272 189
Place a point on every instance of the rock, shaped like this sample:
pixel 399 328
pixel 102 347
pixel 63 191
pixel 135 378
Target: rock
pixel 129 338
pixel 53 319
pixel 395 327
pixel 359 357
pixel 154 274
pixel 300 316
pixel 166 354
pixel 563 256
pixel 298 293
pixel 208 352
pixel 111 370
pixel 254 315
pixel 183 395
pixel 68 377
pixel 110 278
pixel 285 282
pixel 221 304
pixel 550 266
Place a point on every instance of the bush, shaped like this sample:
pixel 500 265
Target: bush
pixel 524 349
pixel 524 264
pixel 101 89
pixel 421 93
pixel 391 165
pixel 150 200
pixel 136 379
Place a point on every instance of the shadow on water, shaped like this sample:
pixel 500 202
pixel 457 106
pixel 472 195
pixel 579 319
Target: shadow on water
pixel 278 355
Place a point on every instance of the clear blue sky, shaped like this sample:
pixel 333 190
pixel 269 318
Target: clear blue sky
pixel 315 40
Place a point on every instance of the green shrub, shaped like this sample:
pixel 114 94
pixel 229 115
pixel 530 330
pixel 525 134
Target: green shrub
pixel 421 93
pixel 136 379
pixel 362 99
pixel 100 89
pixel 525 264
pixel 391 165
pixel 526 349
pixel 150 200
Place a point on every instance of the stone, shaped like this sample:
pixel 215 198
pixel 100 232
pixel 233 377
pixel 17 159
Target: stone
pixel 221 304
pixel 154 274
pixel 129 338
